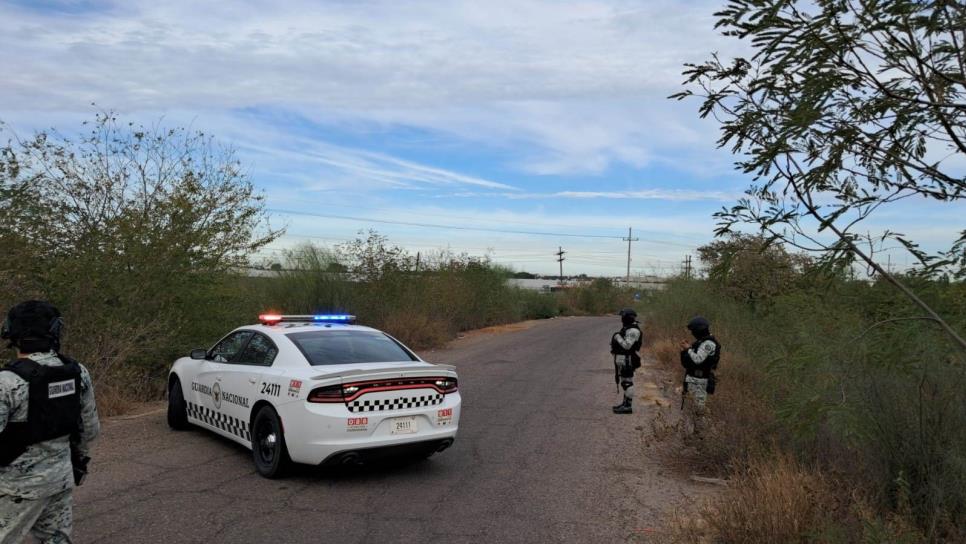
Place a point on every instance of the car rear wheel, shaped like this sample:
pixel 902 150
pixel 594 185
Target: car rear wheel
pixel 268 444
pixel 177 408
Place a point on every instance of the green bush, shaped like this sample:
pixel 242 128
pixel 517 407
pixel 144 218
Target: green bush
pixel 853 386
pixel 423 305
pixel 135 233
pixel 598 297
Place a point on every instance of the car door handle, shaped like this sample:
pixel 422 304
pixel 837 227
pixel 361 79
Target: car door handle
pixel 252 380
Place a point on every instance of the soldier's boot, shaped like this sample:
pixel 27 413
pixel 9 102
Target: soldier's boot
pixel 624 408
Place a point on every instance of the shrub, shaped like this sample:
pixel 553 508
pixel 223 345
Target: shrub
pixel 598 297
pixel 835 375
pixel 134 233
pixel 423 305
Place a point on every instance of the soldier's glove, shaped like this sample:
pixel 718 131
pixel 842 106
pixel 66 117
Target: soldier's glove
pixel 79 463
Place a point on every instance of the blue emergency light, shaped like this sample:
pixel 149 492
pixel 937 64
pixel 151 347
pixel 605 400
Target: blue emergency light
pixel 338 318
pixel 272 319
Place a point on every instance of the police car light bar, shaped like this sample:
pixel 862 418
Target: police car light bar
pixel 272 319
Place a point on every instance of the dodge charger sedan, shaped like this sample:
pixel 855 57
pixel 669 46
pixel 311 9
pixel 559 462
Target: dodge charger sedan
pixel 318 390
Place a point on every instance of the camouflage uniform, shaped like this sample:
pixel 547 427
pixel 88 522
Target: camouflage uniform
pixel 697 411
pixel 35 489
pixel 699 361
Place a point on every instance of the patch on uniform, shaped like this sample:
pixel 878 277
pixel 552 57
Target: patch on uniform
pixel 294 387
pixel 444 416
pixel 61 389
pixel 357 424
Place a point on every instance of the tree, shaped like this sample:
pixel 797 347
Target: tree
pixel 750 269
pixel 129 229
pixel 846 107
pixel 372 258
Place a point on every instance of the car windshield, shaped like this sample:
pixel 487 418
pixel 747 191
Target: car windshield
pixel 331 347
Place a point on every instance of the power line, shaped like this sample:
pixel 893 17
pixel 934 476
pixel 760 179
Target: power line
pixel 501 221
pixel 459 227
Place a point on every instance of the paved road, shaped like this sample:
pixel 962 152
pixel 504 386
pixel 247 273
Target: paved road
pixel 539 458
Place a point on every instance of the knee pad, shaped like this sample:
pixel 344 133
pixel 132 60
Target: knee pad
pixel 626 384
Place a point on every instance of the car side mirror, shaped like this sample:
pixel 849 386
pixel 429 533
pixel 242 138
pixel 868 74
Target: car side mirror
pixel 199 354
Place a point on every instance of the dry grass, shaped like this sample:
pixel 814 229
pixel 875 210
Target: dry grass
pixel 774 500
pixel 112 401
pixel 666 352
pixel 124 389
pixel 417 330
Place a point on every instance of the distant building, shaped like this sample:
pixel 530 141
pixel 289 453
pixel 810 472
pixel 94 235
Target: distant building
pixel 544 284
pixel 646 283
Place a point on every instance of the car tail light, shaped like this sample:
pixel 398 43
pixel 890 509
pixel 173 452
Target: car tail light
pixel 447 385
pixel 329 393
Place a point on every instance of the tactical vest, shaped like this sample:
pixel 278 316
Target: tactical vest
pixel 617 349
pixel 53 406
pixel 703 369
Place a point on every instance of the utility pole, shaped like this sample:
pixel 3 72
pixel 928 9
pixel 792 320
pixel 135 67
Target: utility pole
pixel 687 267
pixel 560 259
pixel 629 239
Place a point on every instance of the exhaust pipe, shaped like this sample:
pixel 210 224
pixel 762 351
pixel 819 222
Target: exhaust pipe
pixel 444 445
pixel 351 459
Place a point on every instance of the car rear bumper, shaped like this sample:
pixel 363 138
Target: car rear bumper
pixel 319 433
pixel 382 453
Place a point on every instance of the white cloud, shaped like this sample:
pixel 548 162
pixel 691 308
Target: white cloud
pixel 362 166
pixel 574 86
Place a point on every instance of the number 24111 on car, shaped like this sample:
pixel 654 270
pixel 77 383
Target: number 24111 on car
pixel 404 425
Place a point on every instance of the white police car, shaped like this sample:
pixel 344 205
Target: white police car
pixel 316 390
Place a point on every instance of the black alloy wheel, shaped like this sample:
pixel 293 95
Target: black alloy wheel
pixel 268 444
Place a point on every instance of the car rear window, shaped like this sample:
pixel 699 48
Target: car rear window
pixel 331 347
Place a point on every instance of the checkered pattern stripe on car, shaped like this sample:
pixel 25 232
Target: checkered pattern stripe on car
pixel 219 420
pixel 400 403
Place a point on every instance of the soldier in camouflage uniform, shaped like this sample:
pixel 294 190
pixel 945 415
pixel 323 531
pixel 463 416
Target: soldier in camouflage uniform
pixel 699 360
pixel 36 487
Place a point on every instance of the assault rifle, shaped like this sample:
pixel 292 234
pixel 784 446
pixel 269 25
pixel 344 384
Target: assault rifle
pixel 617 373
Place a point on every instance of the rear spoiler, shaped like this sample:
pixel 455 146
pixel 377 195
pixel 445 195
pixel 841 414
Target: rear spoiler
pixel 389 371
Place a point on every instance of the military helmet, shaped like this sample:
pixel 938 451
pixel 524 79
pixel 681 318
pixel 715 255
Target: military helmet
pixel 628 316
pixel 33 319
pixel 699 325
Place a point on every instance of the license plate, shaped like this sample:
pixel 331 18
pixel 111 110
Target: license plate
pixel 403 425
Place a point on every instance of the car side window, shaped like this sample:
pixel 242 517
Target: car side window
pixel 230 346
pixel 260 351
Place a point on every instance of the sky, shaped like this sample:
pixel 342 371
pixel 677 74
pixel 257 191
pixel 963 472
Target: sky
pixel 510 128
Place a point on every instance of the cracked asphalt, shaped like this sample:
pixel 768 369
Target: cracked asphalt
pixel 539 458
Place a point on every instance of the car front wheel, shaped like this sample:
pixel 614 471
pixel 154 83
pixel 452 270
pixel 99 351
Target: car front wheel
pixel 268 444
